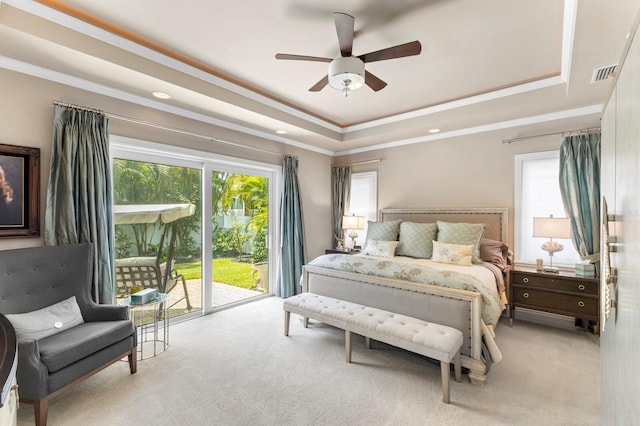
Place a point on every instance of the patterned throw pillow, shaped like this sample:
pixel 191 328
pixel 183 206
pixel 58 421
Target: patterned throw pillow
pixel 382 231
pixel 416 239
pixel 462 233
pixel 380 248
pixel 455 254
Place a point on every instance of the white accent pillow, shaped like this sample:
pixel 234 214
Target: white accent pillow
pixel 455 254
pixel 47 321
pixel 462 233
pixel 380 248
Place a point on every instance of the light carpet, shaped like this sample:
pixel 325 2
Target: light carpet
pixel 235 367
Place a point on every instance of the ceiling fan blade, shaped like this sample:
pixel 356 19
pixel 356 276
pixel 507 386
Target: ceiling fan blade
pixel 399 51
pixel 374 82
pixel 344 27
pixel 301 57
pixel 320 85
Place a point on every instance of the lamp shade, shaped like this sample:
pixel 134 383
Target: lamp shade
pixel 551 227
pixel 353 222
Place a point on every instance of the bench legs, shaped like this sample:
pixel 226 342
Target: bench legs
pixel 444 372
pixel 446 376
pixel 457 367
pixel 444 366
pixel 287 320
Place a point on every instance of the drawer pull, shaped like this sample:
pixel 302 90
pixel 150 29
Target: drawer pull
pixel 581 287
pixel 525 280
pixel 525 295
pixel 581 304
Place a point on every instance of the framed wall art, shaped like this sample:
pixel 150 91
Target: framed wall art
pixel 19 191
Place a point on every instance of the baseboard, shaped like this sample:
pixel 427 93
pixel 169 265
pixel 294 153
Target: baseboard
pixel 545 318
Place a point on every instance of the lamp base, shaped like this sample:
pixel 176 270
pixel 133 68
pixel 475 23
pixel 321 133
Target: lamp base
pixel 551 269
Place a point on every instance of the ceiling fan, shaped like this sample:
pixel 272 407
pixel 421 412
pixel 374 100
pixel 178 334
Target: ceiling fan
pixel 346 72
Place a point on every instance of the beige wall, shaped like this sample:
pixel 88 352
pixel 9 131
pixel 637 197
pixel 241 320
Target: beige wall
pixel 26 118
pixel 471 171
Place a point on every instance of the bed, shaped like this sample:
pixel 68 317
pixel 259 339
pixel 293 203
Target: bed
pixel 461 306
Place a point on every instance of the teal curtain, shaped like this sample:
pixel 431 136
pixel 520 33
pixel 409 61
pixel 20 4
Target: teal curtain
pixel 291 228
pixel 341 195
pixel 580 190
pixel 79 208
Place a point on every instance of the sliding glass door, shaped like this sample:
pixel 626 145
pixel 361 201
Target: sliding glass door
pixel 240 228
pixel 204 223
pixel 158 231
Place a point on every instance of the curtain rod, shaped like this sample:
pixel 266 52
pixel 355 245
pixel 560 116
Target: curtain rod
pixel 163 127
pixel 357 163
pixel 565 133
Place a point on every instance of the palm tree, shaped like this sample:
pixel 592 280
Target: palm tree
pixel 253 191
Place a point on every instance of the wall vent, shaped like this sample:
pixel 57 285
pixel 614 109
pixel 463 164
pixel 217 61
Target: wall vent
pixel 604 73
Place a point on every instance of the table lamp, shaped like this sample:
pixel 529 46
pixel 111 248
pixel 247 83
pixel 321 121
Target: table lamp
pixel 353 223
pixel 551 227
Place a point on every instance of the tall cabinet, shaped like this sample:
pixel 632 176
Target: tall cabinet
pixel 620 186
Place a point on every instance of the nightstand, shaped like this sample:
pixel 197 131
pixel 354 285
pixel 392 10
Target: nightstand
pixel 343 251
pixel 559 293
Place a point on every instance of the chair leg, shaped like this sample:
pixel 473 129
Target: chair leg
pixel 40 410
pixel 186 293
pixel 133 360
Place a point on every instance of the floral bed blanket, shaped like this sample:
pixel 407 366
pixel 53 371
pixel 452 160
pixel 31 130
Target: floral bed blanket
pixel 474 278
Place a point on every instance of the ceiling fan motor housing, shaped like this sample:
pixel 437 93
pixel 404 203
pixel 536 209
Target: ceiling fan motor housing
pixel 346 72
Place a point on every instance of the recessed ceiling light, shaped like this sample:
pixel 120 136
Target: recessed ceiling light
pixel 434 130
pixel 161 95
pixel 281 132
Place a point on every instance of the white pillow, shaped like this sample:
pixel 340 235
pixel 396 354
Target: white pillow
pixel 380 248
pixel 47 321
pixel 455 254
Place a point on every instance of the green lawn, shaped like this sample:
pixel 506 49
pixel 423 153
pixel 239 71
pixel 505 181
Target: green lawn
pixel 224 271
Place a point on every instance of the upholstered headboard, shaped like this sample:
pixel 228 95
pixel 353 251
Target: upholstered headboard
pixel 495 218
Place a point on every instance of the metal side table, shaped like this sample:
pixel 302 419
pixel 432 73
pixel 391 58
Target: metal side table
pixel 152 324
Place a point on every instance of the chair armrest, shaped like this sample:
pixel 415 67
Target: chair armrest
pixel 32 374
pixel 97 312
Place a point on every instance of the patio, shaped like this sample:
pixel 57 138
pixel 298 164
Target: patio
pixel 223 294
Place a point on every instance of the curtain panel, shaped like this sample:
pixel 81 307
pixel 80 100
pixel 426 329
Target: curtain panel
pixel 79 195
pixel 291 227
pixel 341 195
pixel 580 191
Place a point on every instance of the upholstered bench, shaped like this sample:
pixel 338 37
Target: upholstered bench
pixel 432 340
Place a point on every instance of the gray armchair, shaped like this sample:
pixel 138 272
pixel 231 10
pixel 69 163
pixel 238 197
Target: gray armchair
pixel 34 278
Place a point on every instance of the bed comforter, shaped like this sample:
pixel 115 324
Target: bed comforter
pixel 474 278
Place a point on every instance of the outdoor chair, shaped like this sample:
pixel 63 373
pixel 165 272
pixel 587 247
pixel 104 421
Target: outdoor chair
pixel 147 273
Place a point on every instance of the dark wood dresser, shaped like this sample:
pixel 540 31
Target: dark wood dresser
pixel 559 293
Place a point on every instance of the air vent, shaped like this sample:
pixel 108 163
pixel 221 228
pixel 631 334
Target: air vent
pixel 604 73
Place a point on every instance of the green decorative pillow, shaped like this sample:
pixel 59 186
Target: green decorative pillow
pixel 462 233
pixel 47 321
pixel 380 248
pixel 416 239
pixel 454 254
pixel 383 231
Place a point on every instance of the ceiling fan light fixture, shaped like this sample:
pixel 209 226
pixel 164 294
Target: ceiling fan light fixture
pixel 346 74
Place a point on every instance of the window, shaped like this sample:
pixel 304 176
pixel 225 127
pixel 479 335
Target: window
pixel 364 200
pixel 226 253
pixel 537 194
